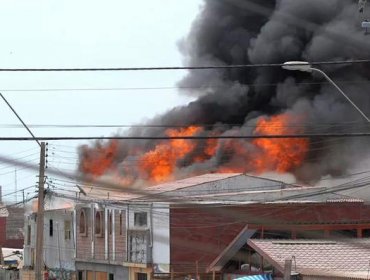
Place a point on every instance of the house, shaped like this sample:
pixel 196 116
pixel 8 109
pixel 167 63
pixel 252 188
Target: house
pixel 195 227
pixel 317 259
pixel 11 226
pixel 121 242
pixel 59 244
pixel 3 217
pixel 14 227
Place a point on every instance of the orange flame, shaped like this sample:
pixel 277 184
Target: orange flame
pixel 96 161
pixel 280 155
pixel 159 164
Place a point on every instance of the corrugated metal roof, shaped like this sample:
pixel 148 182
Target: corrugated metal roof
pixel 192 181
pixel 343 257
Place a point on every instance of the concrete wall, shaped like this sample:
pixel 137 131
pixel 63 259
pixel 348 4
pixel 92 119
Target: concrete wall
pixel 58 248
pixel 161 238
pixel 119 271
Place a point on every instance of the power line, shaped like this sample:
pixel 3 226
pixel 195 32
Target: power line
pixel 19 118
pixel 271 124
pixel 206 67
pixel 283 136
pixel 174 87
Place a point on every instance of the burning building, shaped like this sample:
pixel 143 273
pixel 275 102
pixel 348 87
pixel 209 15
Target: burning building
pixel 254 100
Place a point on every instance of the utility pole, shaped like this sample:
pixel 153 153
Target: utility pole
pixel 40 217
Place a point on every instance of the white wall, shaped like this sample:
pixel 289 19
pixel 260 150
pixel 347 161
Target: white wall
pixel 58 251
pixel 161 236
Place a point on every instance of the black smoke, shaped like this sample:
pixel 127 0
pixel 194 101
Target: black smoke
pixel 228 32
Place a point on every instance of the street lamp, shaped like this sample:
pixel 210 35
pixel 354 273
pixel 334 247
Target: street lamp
pixel 306 67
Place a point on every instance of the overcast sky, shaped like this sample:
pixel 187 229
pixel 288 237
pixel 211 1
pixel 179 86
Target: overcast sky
pixel 50 33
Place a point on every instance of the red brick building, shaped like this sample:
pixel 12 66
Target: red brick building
pixel 11 227
pixel 207 239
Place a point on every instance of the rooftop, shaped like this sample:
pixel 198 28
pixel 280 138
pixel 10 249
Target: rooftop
pixel 333 258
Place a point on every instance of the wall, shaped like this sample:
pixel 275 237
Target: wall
pixel 161 238
pixel 58 251
pixel 120 272
pixel 107 247
pixel 134 270
pixel 2 231
pixel 200 233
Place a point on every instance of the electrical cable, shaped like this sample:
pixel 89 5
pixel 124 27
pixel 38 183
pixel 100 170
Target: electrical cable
pixel 207 67
pixel 277 136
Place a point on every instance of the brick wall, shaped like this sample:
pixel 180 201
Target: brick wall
pixel 2 230
pixel 199 234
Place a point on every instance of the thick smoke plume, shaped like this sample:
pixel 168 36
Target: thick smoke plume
pixel 234 101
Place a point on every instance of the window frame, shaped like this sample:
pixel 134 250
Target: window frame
pixel 82 223
pixel 99 224
pixel 137 219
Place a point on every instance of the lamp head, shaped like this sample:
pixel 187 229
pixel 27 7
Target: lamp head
pixel 297 66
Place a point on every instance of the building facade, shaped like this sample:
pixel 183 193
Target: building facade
pixel 59 244
pixel 126 242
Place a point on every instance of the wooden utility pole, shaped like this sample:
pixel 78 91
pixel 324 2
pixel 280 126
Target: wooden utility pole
pixel 40 217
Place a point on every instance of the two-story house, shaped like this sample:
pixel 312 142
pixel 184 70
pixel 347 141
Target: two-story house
pixel 121 242
pixel 59 244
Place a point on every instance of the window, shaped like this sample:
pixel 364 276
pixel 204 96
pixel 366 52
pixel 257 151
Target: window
pixel 140 219
pixel 111 276
pixel 98 224
pixel 141 276
pixel 29 235
pixel 83 223
pixel 67 230
pixel 110 222
pixel 51 228
pixel 120 223
pixel 80 275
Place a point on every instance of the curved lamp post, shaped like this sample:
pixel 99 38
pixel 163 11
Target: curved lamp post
pixel 306 67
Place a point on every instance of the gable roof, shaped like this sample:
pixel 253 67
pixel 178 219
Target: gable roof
pixel 344 258
pixel 231 249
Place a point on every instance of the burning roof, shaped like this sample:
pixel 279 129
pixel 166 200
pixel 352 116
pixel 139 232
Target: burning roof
pixel 253 101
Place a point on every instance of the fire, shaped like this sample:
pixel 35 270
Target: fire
pixel 165 161
pixel 159 164
pixel 280 155
pixel 98 160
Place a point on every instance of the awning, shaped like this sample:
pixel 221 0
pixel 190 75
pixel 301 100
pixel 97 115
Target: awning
pixel 256 277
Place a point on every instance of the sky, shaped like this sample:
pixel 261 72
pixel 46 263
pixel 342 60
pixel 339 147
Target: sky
pixel 69 34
